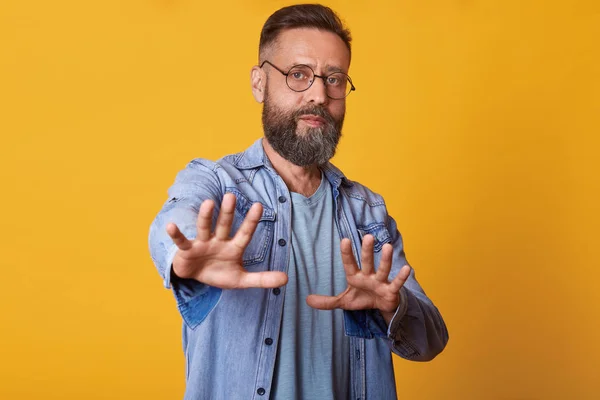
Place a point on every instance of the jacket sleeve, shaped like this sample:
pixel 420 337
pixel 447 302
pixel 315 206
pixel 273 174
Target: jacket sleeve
pixel 196 183
pixel 417 331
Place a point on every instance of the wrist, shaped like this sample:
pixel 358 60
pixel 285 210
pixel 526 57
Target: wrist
pixel 389 312
pixel 387 316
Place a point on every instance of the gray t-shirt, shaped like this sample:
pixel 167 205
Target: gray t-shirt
pixel 313 360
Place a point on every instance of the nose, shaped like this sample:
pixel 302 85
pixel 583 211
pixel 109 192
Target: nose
pixel 317 92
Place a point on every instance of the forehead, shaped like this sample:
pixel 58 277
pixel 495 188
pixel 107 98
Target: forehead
pixel 314 47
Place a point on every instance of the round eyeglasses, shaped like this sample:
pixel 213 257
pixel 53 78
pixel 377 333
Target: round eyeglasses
pixel 300 77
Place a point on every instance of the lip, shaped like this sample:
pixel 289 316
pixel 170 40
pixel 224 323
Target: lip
pixel 313 119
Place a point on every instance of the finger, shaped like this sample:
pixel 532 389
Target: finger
pixel 204 222
pixel 385 264
pixel 225 218
pixel 400 279
pixel 366 255
pixel 348 258
pixel 246 230
pixel 323 302
pixel 266 279
pixel 178 238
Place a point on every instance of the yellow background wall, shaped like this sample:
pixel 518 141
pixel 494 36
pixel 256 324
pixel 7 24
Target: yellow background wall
pixel 477 120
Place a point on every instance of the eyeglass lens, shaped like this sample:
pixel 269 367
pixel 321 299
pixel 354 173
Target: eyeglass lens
pixel 301 77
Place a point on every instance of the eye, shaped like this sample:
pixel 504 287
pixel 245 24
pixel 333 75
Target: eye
pixel 337 79
pixel 298 75
pixel 333 80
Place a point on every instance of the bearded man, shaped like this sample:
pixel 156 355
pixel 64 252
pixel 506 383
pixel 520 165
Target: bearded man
pixel 291 279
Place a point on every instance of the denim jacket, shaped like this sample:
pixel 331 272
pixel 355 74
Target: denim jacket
pixel 230 336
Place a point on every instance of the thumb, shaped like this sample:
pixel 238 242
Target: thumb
pixel 321 302
pixel 264 279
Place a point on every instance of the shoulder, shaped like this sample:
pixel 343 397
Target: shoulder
pixel 250 158
pixel 221 169
pixel 358 191
pixel 353 190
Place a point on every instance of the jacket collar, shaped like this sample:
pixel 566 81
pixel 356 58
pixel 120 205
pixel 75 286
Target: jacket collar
pixel 255 157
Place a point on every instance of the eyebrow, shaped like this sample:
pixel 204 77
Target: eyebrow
pixel 329 69
pixel 333 68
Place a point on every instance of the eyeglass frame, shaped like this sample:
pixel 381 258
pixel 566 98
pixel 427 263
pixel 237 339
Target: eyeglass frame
pixel 324 77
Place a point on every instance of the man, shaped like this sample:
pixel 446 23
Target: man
pixel 291 279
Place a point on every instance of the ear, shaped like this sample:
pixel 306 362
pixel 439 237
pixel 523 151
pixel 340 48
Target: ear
pixel 258 80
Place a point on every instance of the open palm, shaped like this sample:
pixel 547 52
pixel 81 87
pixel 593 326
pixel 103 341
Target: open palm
pixel 216 259
pixel 367 288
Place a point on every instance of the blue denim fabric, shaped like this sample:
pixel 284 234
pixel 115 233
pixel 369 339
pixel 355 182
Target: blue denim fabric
pixel 225 332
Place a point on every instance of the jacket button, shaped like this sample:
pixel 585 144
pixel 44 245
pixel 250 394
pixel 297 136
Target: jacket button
pixel 260 391
pixel 282 242
pixel 282 199
pixel 276 291
pixel 268 341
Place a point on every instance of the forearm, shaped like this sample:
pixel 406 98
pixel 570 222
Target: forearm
pixel 194 299
pixel 162 248
pixel 417 330
pixel 419 333
pixel 192 186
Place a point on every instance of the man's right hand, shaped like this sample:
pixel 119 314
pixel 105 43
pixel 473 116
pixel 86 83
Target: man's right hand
pixel 216 259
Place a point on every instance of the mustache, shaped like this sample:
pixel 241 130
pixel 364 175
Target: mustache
pixel 314 110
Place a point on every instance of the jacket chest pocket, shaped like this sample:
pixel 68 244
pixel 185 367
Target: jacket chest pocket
pixel 262 238
pixel 379 232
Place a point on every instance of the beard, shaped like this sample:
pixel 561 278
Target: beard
pixel 312 146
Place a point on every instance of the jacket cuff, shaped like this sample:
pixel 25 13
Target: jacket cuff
pixel 400 313
pixel 169 265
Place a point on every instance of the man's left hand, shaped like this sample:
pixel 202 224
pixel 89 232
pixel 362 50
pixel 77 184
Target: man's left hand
pixel 367 288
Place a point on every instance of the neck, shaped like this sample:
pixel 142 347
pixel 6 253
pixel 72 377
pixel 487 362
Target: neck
pixel 303 180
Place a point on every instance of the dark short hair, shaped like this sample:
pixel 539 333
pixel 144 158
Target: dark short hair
pixel 314 16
